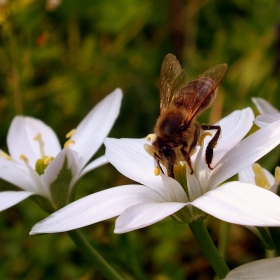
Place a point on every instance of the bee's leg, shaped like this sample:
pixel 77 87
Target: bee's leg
pixel 187 158
pixel 187 155
pixel 170 171
pixel 212 144
pixel 157 158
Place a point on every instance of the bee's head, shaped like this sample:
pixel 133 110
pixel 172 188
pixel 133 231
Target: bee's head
pixel 165 152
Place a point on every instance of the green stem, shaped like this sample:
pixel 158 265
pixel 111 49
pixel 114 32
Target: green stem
pixel 93 255
pixel 209 249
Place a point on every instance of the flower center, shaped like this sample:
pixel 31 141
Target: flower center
pixel 43 162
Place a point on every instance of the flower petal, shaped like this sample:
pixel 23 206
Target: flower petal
pixel 12 172
pixel 234 128
pixel 241 203
pixel 246 153
pixel 263 106
pixel 96 207
pixel 261 269
pixel 93 129
pixel 145 214
pixel 247 175
pixel 94 164
pixel 20 139
pixel 53 170
pixel 130 158
pixel 11 198
pixel 263 120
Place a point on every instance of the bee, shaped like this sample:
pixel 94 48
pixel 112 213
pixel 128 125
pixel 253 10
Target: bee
pixel 177 132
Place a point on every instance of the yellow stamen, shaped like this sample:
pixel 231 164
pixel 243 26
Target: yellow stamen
pixel 202 137
pixel 4 155
pixel 149 149
pixel 38 138
pixel 47 160
pixel 24 158
pixel 277 174
pixel 151 137
pixel 260 177
pixel 157 170
pixel 71 133
pixel 68 143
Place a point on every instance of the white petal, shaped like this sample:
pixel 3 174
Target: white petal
pixel 96 207
pixel 20 139
pixel 55 166
pixel 263 106
pixel 12 172
pixel 246 153
pixel 11 198
pixel 241 203
pixel 145 214
pixel 130 158
pixel 94 164
pixel 247 175
pixel 263 120
pixel 194 186
pixel 234 128
pixel 261 269
pixel 172 191
pixel 93 129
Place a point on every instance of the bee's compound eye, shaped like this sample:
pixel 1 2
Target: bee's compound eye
pixel 168 152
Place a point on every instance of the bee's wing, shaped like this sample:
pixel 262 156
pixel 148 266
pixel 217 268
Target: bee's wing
pixel 172 78
pixel 199 93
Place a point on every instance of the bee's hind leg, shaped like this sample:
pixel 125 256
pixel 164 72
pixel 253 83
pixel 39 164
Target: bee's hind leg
pixel 187 155
pixel 212 144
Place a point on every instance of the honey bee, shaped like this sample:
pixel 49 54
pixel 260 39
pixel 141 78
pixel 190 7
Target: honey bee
pixel 177 132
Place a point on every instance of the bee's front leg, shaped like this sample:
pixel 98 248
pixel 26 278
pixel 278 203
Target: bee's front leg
pixel 212 144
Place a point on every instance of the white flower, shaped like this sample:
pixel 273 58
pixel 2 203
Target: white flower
pixel 261 269
pixel 269 113
pixel 39 167
pixel 160 196
pixel 262 178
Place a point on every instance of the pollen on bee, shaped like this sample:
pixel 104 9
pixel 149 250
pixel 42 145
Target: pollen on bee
pixel 202 137
pixel 71 133
pixel 23 158
pixel 4 155
pixel 157 171
pixel 68 143
pixel 151 137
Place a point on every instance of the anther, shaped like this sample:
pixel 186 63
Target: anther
pixel 47 160
pixel 23 158
pixel 149 149
pixel 38 138
pixel 202 137
pixel 151 137
pixel 4 155
pixel 260 177
pixel 277 174
pixel 68 143
pixel 71 133
pixel 157 170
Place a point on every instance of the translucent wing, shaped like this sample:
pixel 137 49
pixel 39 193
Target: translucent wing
pixel 172 78
pixel 197 95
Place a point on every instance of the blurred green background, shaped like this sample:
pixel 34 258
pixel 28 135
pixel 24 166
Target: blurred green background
pixel 59 58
